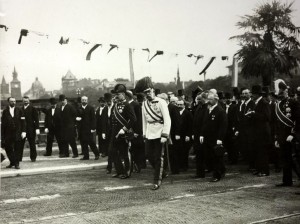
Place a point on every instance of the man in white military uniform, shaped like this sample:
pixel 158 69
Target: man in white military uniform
pixel 156 128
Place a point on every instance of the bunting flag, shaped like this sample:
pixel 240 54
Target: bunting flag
pixel 207 66
pixel 64 40
pixel 197 58
pixel 190 55
pixel 22 33
pixel 157 53
pixel 84 41
pixel 147 49
pixel 4 27
pixel 112 46
pixel 88 57
pixel 224 58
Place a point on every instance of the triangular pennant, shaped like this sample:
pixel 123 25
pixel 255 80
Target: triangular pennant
pixel 224 58
pixel 190 55
pixel 198 57
pixel 112 46
pixel 64 40
pixel 88 56
pixel 3 26
pixel 22 33
pixel 147 49
pixel 208 64
pixel 157 53
pixel 84 41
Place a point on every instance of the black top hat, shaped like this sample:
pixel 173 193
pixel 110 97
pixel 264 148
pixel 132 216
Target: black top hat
pixel 101 99
pixel 143 84
pixel 62 97
pixel 157 91
pixel 220 95
pixel 52 101
pixel 180 92
pixel 107 97
pixel 266 90
pixel 119 88
pixel 235 91
pixel 228 95
pixel 256 89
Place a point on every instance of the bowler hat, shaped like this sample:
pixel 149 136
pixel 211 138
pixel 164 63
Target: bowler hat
pixel 266 90
pixel 101 99
pixel 228 95
pixel 256 89
pixel 107 97
pixel 119 88
pixel 62 97
pixel 52 101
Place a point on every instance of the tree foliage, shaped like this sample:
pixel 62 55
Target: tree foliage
pixel 269 39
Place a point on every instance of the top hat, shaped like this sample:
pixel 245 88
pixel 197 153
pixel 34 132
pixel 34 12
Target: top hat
pixel 101 99
pixel 266 90
pixel 62 97
pixel 107 97
pixel 228 95
pixel 119 88
pixel 180 92
pixel 220 95
pixel 257 89
pixel 52 101
pixel 157 91
pixel 235 91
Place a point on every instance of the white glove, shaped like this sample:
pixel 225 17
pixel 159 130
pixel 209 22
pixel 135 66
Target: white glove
pixel 236 133
pixel 163 140
pixel 187 138
pixel 37 131
pixel 277 144
pixel 121 132
pixel 193 137
pixel 103 136
pixel 78 118
pixel 135 135
pixel 46 130
pixel 201 139
pixel 92 131
pixel 219 142
pixel 23 135
pixel 289 138
pixel 177 137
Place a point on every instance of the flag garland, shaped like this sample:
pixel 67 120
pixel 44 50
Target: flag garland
pixel 157 53
pixel 207 66
pixel 88 56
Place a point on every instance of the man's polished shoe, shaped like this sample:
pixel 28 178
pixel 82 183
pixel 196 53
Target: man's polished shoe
pixel 155 187
pixel 198 176
pixel 17 167
pixel 74 156
pixel 46 154
pixel 62 156
pixel 124 176
pixel 284 185
pixel 263 174
pixel 215 180
pixel 103 155
pixel 9 166
pixel 165 175
pixel 33 160
pixel 81 153
pixel 84 158
pixel 115 175
pixel 96 157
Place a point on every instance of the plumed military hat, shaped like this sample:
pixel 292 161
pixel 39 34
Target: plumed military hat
pixel 119 88
pixel 143 84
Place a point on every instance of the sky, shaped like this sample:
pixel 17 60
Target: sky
pixel 174 26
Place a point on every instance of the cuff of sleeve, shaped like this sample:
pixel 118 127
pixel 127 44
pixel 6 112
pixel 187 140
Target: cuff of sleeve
pixel 125 129
pixel 163 135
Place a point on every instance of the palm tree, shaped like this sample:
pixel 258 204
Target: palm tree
pixel 269 39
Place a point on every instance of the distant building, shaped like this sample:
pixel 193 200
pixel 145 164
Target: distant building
pixel 36 91
pixel 4 89
pixel 15 86
pixel 69 82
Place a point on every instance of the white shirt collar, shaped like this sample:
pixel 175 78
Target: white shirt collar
pixel 256 102
pixel 246 102
pixel 25 106
pixel 212 107
pixel 83 106
pixel 130 101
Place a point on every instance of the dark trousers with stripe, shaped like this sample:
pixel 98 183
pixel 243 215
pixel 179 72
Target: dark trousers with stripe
pixel 155 154
pixel 120 154
pixel 32 147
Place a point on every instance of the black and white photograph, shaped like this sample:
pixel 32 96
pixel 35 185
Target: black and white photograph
pixel 150 111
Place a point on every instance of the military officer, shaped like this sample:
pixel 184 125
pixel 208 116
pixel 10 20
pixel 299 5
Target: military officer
pixel 156 128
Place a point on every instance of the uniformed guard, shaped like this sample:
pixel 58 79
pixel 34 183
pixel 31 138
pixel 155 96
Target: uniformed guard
pixel 156 128
pixel 123 119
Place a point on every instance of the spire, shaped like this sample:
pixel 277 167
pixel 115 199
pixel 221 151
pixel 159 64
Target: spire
pixel 3 80
pixel 15 74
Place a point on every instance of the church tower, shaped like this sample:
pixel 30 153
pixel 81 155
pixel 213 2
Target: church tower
pixel 4 89
pixel 15 86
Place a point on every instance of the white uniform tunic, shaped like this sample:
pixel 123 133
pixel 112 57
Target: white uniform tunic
pixel 156 119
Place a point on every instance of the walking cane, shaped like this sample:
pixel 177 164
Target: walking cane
pixel 168 158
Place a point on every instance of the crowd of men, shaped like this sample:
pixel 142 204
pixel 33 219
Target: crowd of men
pixel 132 126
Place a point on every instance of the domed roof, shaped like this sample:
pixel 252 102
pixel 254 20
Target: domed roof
pixel 37 84
pixel 69 75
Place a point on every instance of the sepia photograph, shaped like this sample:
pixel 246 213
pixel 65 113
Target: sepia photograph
pixel 150 111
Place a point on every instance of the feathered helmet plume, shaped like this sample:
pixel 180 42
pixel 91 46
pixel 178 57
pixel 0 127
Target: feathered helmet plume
pixel 143 85
pixel 279 86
